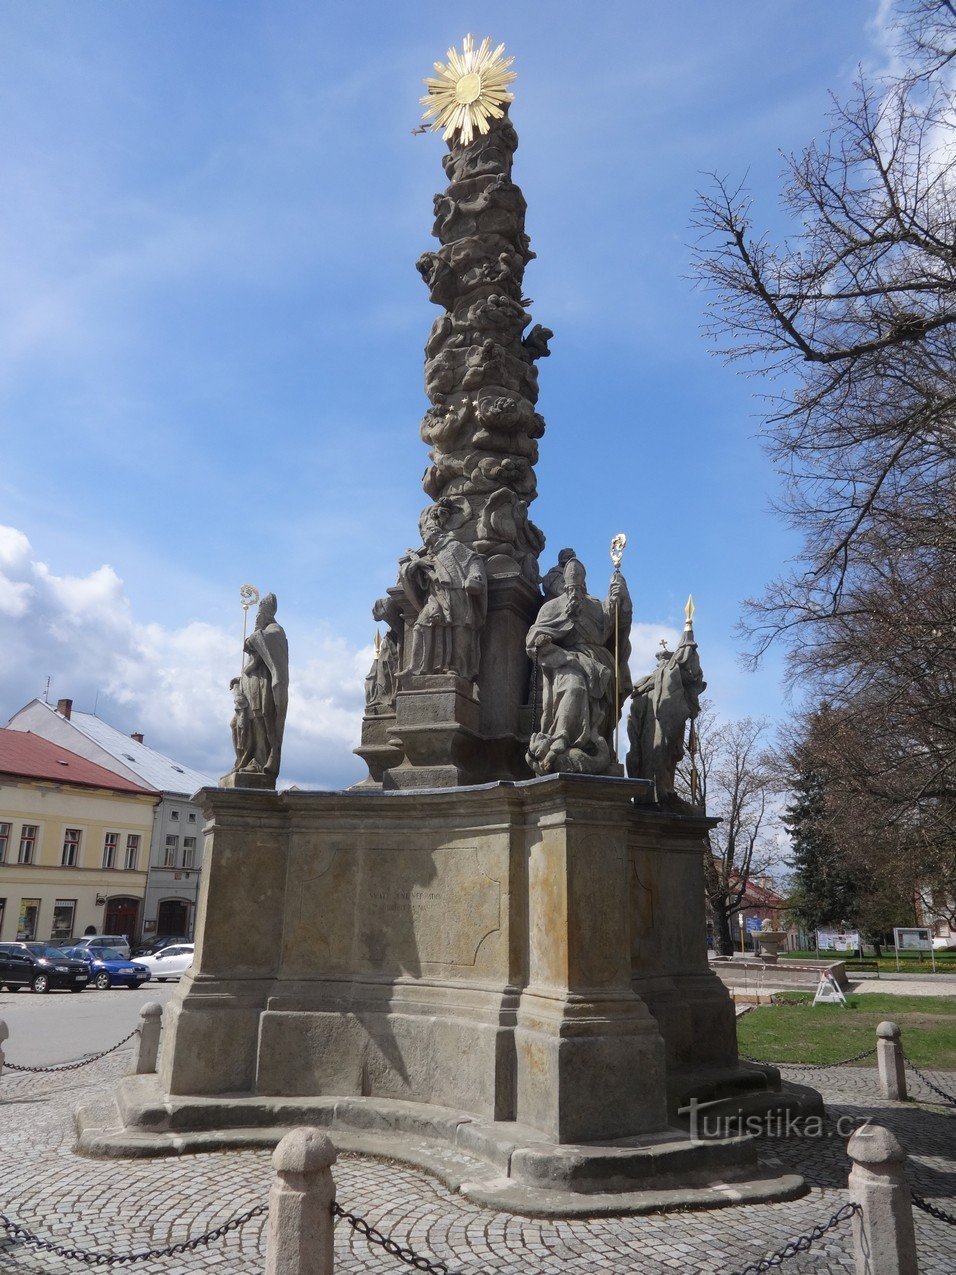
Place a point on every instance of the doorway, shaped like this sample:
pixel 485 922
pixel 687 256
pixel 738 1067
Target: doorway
pixel 121 916
pixel 173 918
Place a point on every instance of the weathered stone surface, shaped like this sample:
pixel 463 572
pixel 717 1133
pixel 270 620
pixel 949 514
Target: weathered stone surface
pixel 487 950
pixel 482 431
pixel 662 705
pixel 883 1233
pixel 261 695
pixel 579 646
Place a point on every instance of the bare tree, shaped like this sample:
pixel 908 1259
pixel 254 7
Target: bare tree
pixel 736 777
pixel 855 315
pixel 854 320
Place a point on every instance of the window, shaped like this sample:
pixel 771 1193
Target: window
pixel 191 817
pixel 71 848
pixel 28 841
pixel 189 851
pixel 132 851
pixel 172 849
pixel 4 841
pixel 174 815
pixel 110 842
pixel 64 910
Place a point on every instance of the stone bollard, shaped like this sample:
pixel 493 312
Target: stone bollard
pixel 884 1242
pixel 300 1230
pixel 4 1033
pixel 889 1061
pixel 150 1028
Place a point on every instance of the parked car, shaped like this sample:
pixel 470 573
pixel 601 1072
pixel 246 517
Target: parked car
pixel 157 944
pixel 40 966
pixel 171 962
pixel 118 942
pixel 108 968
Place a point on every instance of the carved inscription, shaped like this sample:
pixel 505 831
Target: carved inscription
pixel 426 907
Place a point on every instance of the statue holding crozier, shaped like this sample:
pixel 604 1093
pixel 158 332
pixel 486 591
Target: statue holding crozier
pixel 261 700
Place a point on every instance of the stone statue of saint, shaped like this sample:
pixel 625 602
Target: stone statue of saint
pixel 446 584
pixel 661 706
pixel 241 726
pixel 264 686
pixel 380 685
pixel 572 643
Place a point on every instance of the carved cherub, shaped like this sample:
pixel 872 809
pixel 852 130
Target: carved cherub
pixel 535 344
pixel 486 364
pixel 438 275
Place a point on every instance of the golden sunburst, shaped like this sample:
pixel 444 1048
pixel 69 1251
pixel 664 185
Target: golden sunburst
pixel 470 90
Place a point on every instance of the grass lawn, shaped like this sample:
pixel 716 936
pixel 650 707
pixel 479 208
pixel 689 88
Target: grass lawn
pixel 910 962
pixel 799 1031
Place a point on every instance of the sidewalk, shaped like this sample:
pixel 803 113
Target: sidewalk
pixel 122 1205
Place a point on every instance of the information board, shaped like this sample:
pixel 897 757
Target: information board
pixel 838 941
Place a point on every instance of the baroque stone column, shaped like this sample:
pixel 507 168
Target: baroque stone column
pixel 461 709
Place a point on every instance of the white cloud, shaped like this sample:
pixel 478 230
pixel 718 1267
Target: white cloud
pixel 171 683
pixel 646 642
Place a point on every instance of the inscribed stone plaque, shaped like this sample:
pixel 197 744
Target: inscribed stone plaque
pixel 426 906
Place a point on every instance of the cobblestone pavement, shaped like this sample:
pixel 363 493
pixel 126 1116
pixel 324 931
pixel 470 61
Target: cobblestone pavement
pixel 118 1206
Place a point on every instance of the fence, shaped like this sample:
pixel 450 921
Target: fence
pixel 302 1209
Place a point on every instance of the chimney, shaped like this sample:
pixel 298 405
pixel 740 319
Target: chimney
pixel 64 707
pixel 137 735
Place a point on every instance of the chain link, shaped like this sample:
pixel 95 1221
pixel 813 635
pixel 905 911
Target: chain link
pixel 801 1245
pixel 20 1233
pixel 406 1255
pixel 811 1066
pixel 947 1097
pixel 931 1209
pixel 72 1066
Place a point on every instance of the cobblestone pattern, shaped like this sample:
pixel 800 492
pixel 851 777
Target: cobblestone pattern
pixel 136 1204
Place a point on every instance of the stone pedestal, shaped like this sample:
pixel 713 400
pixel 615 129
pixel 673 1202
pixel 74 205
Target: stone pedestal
pixel 582 1034
pixel 248 779
pixel 436 729
pixel 462 978
pixel 378 749
pixel 447 732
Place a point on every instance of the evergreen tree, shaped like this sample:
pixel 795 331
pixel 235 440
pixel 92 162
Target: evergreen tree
pixel 824 890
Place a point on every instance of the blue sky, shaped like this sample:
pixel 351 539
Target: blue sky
pixel 211 327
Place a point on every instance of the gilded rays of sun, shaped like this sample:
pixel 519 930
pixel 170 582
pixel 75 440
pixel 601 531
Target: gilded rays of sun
pixel 469 91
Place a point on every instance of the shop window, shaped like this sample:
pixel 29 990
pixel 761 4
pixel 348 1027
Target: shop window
pixel 64 913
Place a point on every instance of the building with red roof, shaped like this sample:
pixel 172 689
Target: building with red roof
pixel 74 841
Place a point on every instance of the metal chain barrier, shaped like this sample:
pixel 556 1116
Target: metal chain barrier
pixel 21 1234
pixel 947 1097
pixel 801 1245
pixel 72 1066
pixel 940 1214
pixel 406 1255
pixel 866 1053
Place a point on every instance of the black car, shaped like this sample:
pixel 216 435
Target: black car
pixel 40 966
pixel 157 944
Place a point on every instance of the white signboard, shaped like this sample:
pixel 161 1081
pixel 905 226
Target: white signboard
pixel 838 941
pixel 828 991
pixel 914 938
